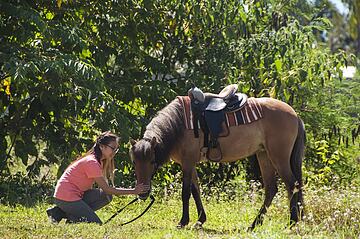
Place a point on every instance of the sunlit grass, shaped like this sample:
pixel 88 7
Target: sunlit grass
pixel 330 213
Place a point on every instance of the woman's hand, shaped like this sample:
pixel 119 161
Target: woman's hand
pixel 141 188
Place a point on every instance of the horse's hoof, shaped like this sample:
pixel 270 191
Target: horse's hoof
pixel 180 226
pixel 292 223
pixel 250 229
pixel 197 225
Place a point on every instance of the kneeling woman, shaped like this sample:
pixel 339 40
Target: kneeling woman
pixel 74 196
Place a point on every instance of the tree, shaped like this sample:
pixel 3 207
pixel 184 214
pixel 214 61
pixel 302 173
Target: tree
pixel 354 7
pixel 72 69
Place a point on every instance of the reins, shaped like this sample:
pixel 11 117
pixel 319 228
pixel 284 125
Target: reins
pixel 152 200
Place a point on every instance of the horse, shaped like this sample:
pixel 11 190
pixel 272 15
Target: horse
pixel 277 140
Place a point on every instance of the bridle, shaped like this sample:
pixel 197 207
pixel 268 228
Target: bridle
pixel 154 162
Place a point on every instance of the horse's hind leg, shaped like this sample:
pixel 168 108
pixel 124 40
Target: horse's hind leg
pixel 293 187
pixel 268 174
pixel 195 190
pixel 281 161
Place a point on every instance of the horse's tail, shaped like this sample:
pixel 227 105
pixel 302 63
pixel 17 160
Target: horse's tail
pixel 297 156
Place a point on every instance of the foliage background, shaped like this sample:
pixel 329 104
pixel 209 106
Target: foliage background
pixel 71 69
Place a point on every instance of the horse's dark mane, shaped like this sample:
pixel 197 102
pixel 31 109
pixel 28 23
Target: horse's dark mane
pixel 167 127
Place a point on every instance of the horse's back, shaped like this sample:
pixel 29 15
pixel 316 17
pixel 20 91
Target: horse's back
pixel 279 123
pixel 274 105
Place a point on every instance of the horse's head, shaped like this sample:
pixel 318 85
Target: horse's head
pixel 142 153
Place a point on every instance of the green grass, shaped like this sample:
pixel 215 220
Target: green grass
pixel 331 213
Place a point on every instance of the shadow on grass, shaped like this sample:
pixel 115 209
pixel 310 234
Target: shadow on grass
pixel 215 231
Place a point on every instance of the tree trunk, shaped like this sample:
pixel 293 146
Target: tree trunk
pixel 356 11
pixel 358 34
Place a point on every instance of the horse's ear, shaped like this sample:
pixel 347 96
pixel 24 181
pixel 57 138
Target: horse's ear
pixel 132 142
pixel 153 142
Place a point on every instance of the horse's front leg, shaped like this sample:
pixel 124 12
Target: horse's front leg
pixel 187 173
pixel 195 190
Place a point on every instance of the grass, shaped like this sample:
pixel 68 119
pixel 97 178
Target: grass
pixel 330 213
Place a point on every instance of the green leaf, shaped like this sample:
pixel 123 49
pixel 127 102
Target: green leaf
pixel 287 94
pixel 21 152
pixel 85 53
pixel 278 65
pixel 242 15
pixel 126 170
pixel 31 148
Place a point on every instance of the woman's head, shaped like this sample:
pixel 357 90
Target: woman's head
pixel 105 148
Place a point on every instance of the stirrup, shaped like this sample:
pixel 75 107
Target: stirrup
pixel 214 154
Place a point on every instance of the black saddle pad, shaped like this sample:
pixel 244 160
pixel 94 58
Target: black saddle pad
pixel 213 120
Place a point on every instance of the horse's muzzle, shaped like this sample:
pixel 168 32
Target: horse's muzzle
pixel 144 196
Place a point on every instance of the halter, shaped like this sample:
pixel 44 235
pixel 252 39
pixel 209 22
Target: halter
pixel 156 164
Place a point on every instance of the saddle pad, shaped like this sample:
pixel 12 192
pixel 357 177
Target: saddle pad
pixel 249 113
pixel 188 115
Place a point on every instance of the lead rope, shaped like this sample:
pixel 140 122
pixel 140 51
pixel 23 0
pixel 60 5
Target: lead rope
pixel 152 200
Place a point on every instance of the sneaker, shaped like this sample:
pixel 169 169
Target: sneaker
pixel 55 214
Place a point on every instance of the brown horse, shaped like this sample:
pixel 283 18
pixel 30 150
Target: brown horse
pixel 277 139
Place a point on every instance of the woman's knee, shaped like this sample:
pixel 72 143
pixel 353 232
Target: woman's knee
pixel 106 197
pixel 109 197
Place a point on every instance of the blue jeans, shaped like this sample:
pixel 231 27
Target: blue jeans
pixel 84 210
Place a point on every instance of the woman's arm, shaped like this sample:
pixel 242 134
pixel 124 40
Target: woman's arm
pixel 139 189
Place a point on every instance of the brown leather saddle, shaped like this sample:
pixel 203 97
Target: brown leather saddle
pixel 209 111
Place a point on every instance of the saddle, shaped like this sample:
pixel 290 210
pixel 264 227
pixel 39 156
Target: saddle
pixel 209 111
